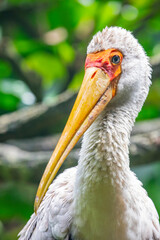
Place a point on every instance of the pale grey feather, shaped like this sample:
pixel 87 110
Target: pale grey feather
pixel 54 216
pixel 102 199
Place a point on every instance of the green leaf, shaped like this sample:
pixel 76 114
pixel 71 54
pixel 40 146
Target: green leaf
pixel 66 52
pixel 27 46
pixel 77 81
pixel 17 200
pixel 48 66
pixel 107 12
pixel 5 69
pixel 148 112
pixel 66 14
pixel 8 102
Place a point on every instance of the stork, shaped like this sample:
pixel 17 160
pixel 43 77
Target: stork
pixel 101 198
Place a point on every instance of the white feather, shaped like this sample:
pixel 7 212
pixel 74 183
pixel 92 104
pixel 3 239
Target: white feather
pixel 102 199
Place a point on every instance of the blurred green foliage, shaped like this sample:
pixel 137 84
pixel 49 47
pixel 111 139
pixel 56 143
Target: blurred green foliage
pixel 50 38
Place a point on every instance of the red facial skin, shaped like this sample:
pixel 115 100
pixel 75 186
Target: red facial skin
pixel 103 60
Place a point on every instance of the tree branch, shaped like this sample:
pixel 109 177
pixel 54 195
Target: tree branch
pixel 28 158
pixel 155 62
pixel 41 118
pixel 38 119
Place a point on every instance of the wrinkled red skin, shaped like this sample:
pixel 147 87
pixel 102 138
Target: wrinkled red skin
pixel 103 61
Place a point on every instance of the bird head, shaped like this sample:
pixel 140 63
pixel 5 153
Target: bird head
pixel 116 72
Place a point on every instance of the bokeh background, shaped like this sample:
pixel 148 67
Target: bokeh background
pixel 42 52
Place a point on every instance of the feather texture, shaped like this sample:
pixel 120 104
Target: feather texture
pixel 54 216
pixel 102 198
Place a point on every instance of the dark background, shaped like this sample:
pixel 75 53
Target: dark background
pixel 42 51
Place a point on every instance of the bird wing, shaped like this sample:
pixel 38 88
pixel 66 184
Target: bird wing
pixel 54 216
pixel 148 218
pixel 152 227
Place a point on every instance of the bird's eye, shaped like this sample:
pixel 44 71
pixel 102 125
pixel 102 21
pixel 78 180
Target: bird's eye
pixel 115 59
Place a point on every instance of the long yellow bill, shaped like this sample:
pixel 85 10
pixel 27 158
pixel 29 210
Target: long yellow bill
pixel 95 93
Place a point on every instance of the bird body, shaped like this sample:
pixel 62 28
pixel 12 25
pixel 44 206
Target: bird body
pixel 112 204
pixel 102 198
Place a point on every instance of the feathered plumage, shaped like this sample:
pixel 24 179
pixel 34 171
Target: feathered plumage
pixel 101 198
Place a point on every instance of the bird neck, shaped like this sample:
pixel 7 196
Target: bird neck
pixel 103 172
pixel 105 147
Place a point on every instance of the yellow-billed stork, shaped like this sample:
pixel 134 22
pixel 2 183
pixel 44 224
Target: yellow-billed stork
pixel 101 198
